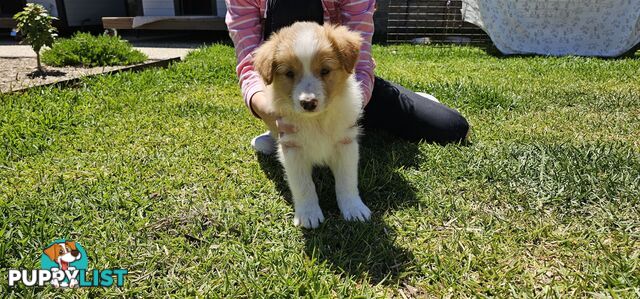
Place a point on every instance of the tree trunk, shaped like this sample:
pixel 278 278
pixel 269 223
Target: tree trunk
pixel 39 65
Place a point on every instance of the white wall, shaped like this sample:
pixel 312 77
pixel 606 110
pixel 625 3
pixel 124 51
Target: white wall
pixel 158 8
pixel 221 8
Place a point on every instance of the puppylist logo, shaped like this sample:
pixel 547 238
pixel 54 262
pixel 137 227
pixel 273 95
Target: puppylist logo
pixel 64 264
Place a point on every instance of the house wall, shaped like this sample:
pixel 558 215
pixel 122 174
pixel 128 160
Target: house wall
pixel 158 8
pixel 49 5
pixel 84 13
pixel 221 8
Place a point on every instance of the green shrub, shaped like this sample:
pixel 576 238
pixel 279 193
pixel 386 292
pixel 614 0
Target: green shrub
pixel 84 49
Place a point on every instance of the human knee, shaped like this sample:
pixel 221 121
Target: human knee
pixel 459 128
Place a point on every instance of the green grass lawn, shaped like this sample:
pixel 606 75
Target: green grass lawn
pixel 153 172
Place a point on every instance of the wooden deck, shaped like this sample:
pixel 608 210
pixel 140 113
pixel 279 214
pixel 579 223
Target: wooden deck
pixel 170 23
pixel 7 23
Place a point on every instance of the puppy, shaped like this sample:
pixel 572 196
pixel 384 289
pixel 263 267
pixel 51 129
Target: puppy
pixel 309 73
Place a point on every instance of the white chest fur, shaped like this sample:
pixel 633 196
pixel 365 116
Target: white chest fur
pixel 320 137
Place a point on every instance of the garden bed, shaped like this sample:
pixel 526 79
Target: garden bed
pixel 68 59
pixel 18 73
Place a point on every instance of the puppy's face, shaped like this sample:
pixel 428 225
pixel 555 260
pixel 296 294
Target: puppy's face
pixel 307 64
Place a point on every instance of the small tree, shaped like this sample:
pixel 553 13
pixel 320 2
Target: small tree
pixel 34 23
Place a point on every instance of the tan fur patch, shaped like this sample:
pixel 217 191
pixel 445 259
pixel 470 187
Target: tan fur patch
pixel 346 44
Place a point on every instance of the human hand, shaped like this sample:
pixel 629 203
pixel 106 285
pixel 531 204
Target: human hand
pixel 284 127
pixel 261 105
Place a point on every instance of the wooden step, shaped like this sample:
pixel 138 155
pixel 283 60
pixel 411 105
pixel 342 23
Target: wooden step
pixel 170 23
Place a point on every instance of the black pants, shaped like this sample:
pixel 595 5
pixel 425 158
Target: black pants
pixel 392 107
pixel 408 115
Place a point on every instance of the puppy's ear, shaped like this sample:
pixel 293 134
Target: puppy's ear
pixel 263 60
pixel 346 43
pixel 51 252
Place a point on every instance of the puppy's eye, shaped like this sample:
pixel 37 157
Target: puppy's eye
pixel 61 251
pixel 325 72
pixel 289 74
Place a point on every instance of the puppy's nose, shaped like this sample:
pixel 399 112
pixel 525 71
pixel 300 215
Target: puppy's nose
pixel 75 252
pixel 309 105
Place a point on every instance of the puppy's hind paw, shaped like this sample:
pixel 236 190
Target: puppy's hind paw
pixel 308 217
pixel 354 209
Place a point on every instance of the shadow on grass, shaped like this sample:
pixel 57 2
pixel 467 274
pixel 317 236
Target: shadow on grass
pixel 633 53
pixel 365 251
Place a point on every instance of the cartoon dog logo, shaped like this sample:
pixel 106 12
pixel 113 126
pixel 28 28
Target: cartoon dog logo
pixel 63 253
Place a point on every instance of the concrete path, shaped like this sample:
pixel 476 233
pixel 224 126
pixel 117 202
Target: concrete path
pixel 18 61
pixel 13 51
pixel 154 52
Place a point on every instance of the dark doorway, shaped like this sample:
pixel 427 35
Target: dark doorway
pixel 195 7
pixel 8 8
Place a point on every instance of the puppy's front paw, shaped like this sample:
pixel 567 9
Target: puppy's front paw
pixel 308 216
pixel 354 209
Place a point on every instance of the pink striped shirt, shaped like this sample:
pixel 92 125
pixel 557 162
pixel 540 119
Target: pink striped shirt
pixel 244 21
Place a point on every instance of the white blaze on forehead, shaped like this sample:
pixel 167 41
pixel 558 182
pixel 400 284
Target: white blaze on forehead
pixel 306 46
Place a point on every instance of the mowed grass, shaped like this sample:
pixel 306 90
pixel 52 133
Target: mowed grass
pixel 153 172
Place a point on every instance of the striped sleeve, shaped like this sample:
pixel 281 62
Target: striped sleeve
pixel 245 30
pixel 358 16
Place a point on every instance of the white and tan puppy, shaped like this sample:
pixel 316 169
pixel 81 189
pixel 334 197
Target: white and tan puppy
pixel 308 70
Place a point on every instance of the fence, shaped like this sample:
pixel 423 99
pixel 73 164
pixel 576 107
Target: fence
pixel 426 21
